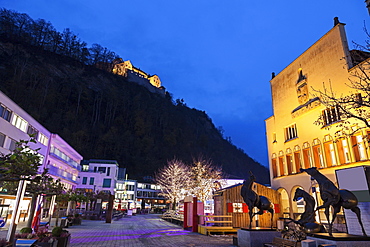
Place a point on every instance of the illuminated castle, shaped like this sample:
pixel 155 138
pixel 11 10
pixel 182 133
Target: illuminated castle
pixel 295 142
pixel 133 74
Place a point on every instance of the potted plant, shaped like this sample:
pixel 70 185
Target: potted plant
pixel 4 243
pixel 45 238
pixel 25 234
pixel 77 219
pixel 63 236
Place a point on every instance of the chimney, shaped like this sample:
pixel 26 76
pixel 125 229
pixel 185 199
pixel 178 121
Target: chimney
pixel 273 75
pixel 336 21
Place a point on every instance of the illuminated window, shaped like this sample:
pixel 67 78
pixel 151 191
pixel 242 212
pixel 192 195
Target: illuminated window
pixel 343 151
pixel 85 168
pixel 20 123
pixel 43 139
pixel 307 159
pixel 330 154
pixel 297 160
pixel 289 161
pixel 317 156
pixel 331 115
pixel 5 113
pixel 358 148
pixel 281 166
pixel 291 132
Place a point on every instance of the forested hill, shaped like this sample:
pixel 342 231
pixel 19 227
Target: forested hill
pixel 103 116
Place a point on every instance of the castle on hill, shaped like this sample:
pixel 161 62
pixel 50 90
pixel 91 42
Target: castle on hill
pixel 133 74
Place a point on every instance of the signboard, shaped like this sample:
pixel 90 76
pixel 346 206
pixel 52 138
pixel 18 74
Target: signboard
pixel 356 180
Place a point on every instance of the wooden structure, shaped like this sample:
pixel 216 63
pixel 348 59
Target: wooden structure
pixel 228 201
pixel 215 223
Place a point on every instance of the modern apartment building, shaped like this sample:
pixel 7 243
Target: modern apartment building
pixel 99 175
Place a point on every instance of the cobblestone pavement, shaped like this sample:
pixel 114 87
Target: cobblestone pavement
pixel 138 231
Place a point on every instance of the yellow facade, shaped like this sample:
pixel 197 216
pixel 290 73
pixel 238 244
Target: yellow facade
pixel 294 140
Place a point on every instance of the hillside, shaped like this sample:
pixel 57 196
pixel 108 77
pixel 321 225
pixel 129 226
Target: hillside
pixel 103 116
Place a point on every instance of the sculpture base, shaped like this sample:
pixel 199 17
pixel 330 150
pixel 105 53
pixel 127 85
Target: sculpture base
pixel 340 239
pixel 256 236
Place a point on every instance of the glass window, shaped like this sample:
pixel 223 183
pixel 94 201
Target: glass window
pixel 32 131
pixel 291 132
pixel 102 169
pixel 108 172
pixel 20 123
pixel 2 139
pixel 44 140
pixel 84 180
pixel 106 182
pixel 12 145
pixel 92 180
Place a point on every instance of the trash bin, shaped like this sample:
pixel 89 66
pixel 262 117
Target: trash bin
pixel 64 222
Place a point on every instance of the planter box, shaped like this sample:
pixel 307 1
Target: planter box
pixel 64 241
pixel 44 244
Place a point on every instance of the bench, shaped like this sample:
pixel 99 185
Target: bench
pixel 215 223
pixel 281 242
pixel 25 242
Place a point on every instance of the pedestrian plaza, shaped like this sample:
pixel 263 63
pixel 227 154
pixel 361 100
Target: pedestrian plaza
pixel 137 231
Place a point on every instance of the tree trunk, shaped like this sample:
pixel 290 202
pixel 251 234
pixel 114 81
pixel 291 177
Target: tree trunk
pixel 32 209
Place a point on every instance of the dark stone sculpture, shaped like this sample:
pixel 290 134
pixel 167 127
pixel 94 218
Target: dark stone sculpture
pixel 332 196
pixel 252 199
pixel 307 219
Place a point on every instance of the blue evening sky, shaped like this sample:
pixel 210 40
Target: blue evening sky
pixel 216 55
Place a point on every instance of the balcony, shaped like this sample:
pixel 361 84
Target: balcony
pixel 59 173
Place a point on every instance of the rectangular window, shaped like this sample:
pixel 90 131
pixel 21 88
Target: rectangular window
pixel 20 123
pixel 84 180
pixel 32 131
pixel 92 180
pixel 106 182
pixel 5 113
pixel 2 139
pixel 12 145
pixel 108 172
pixel 331 115
pixel 85 168
pixel 43 139
pixel 102 169
pixel 291 132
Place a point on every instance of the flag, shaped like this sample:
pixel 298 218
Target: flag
pixel 36 219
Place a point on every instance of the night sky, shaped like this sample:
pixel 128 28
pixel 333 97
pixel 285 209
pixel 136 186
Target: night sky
pixel 216 55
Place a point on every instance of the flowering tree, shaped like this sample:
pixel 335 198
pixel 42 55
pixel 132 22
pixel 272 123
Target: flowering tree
pixel 204 176
pixel 174 180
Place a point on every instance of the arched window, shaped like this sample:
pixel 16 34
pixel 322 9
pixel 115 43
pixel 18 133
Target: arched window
pixel 307 159
pixel 297 159
pixel 289 161
pixel 284 199
pixel 281 164
pixel 317 154
pixel 274 165
pixel 330 155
